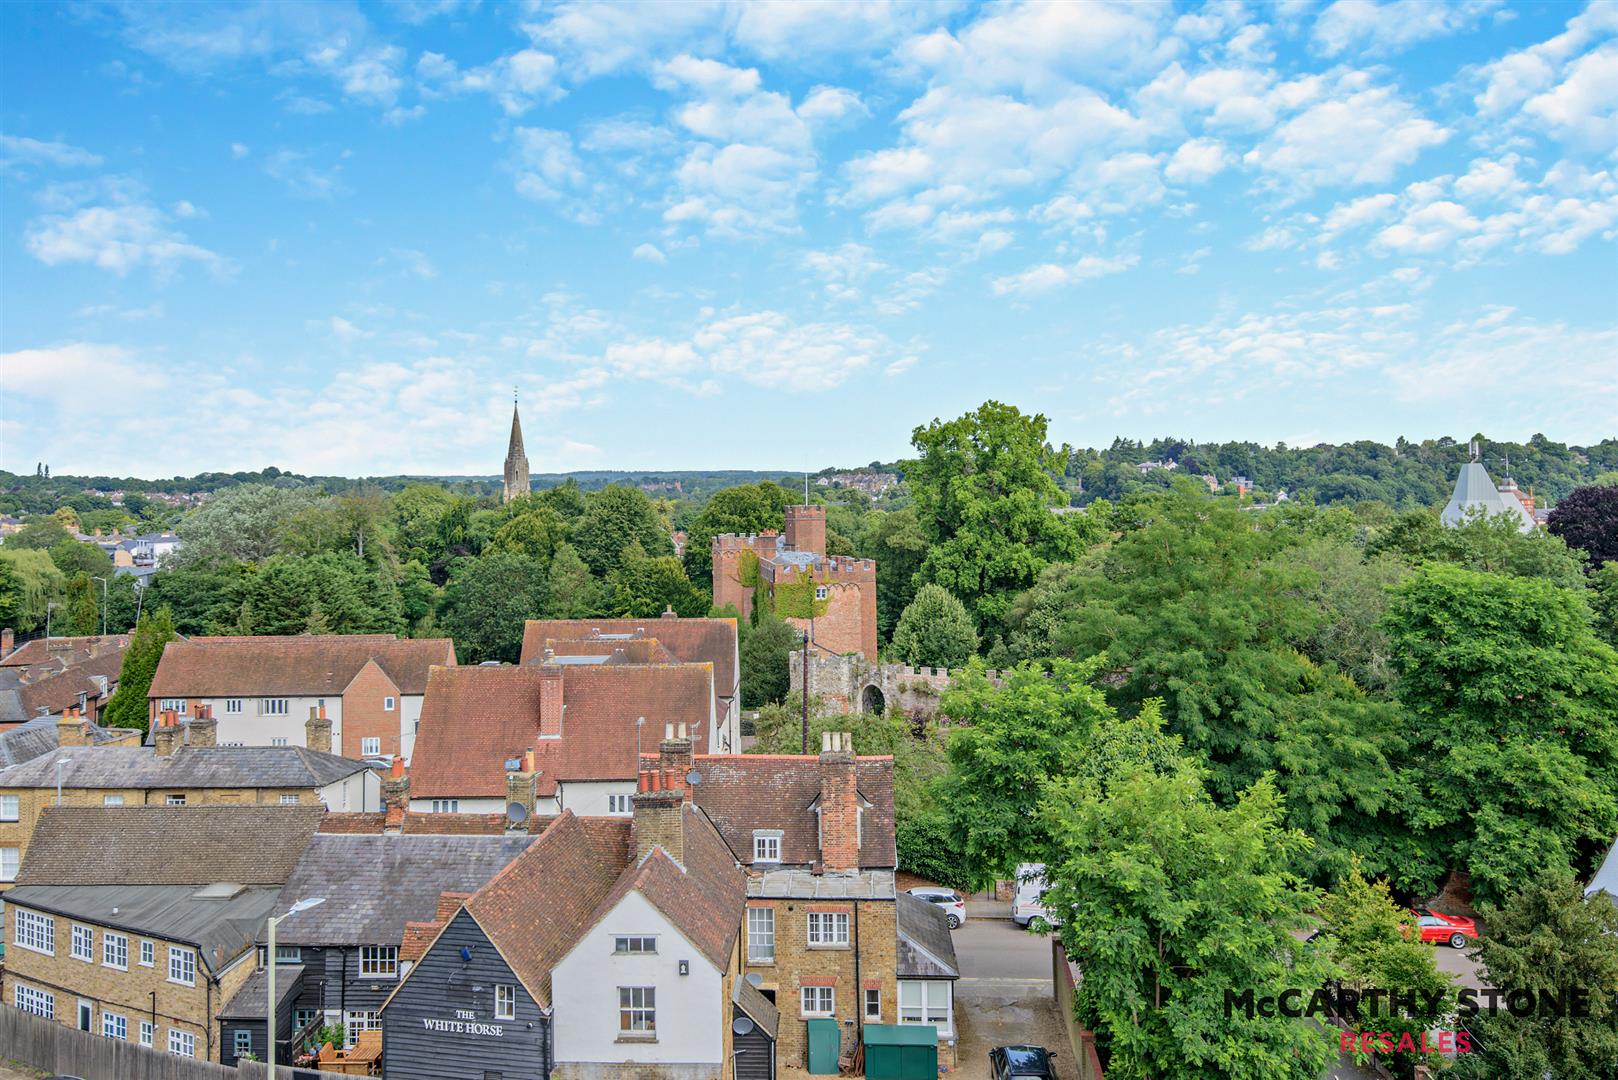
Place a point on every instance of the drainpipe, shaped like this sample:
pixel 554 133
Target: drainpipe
pixel 859 987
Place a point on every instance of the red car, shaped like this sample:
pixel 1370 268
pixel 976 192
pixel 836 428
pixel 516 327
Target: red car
pixel 1453 929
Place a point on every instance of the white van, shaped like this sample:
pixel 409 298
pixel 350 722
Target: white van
pixel 1028 903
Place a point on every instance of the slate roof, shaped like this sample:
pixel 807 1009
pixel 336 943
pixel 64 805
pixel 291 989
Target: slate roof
pixel 375 884
pixel 1475 493
pixel 305 665
pixel 926 950
pixel 168 845
pixel 1606 877
pixel 251 1002
pixel 221 930
pixel 564 874
pixel 41 735
pixel 186 767
pixel 751 1000
pixel 475 719
pixel 607 651
pixel 689 640
pixel 743 792
pixel 54 685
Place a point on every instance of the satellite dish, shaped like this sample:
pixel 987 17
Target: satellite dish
pixel 742 1026
pixel 516 813
pixel 755 978
pixel 693 778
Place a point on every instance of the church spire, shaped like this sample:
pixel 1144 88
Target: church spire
pixel 516 476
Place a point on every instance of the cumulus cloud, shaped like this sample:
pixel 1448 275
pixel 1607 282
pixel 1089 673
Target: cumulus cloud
pixel 518 81
pixel 1396 25
pixel 1050 276
pixel 545 164
pixel 114 228
pixel 20 150
pixel 1363 137
pixel 60 373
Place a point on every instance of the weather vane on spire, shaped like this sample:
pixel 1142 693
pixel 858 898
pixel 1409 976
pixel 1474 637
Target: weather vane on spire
pixel 514 395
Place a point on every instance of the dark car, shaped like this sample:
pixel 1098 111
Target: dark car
pixel 1019 1062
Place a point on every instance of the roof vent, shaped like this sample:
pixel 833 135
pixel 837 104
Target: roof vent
pixel 219 890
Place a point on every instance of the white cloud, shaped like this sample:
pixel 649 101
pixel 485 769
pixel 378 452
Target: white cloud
pixel 845 270
pixel 1583 108
pixel 545 164
pixel 518 82
pixel 120 232
pixel 1050 276
pixel 829 104
pixel 415 263
pixel 1197 161
pixel 599 39
pixel 1358 213
pixel 650 253
pixel 1396 25
pixel 61 373
pixel 1362 138
pixel 238 150
pixel 302 177
pixel 21 150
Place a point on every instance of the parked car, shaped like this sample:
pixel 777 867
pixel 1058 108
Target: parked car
pixel 1021 1063
pixel 948 899
pixel 1453 929
pixel 1029 903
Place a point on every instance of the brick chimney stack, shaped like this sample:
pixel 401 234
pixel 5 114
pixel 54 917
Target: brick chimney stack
pixel 8 641
pixel 520 781
pixel 203 730
pixel 317 730
pixel 395 793
pixel 674 752
pixel 166 735
pixel 72 729
pixel 839 804
pixel 660 815
pixel 551 708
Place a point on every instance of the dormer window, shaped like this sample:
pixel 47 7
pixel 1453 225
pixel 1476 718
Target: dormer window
pixel 766 845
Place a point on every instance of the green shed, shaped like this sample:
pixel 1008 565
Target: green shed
pixel 901 1052
pixel 825 1046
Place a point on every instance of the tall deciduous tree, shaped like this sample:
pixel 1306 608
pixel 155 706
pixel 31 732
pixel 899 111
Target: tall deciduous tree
pixel 1549 938
pixel 615 517
pixel 766 671
pixel 935 631
pixel 570 591
pixel 1513 716
pixel 80 612
pixel 127 707
pixel 643 586
pixel 894 540
pixel 486 604
pixel 984 486
pixel 239 524
pixel 745 508
pixel 1588 520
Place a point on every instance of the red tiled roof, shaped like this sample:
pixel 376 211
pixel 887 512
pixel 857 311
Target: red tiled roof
pixel 743 792
pixel 455 824
pixel 634 651
pixel 70 650
pixel 475 719
pixel 689 640
pixel 535 909
pixel 293 666
pixel 352 823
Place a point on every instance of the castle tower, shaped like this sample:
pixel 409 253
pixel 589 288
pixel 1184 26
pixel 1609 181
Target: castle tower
pixel 516 461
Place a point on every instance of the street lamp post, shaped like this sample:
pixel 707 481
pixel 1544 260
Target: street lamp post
pixel 50 606
pixel 103 603
pixel 269 1032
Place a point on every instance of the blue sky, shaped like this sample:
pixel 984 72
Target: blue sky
pixel 333 237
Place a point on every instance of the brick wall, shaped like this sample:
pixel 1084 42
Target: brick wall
pixel 365 714
pixel 873 938
pixel 130 993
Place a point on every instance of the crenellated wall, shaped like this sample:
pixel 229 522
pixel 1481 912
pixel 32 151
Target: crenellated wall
pixel 851 684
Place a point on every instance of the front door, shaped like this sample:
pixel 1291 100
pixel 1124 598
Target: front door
pixel 85 1010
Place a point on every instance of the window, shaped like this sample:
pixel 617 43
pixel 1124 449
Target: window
pixel 379 961
pixel 828 928
pixel 272 706
pixel 302 1018
pixel 182 1043
pixel 34 931
pixel 387 704
pixel 637 1010
pixel 288 954
pixel 505 1002
pixel 146 1033
pixel 619 804
pixel 182 966
pixel 370 746
pixel 175 703
pixel 634 944
pixel 873 1004
pixel 767 846
pixel 8 807
pixel 820 592
pixel 818 1000
pixel 83 947
pixel 38 1002
pixel 446 806
pixel 146 954
pixel 9 858
pixel 242 1043
pixel 233 705
pixel 174 800
pixel 112 800
pixel 114 1026
pixel 278 741
pixel 924 1003
pixel 356 1022
pixel 115 951
pixel 761 935
pixel 289 800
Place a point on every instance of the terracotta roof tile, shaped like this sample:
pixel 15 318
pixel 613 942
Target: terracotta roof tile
pixel 689 640
pixel 358 824
pixel 455 824
pixel 71 650
pixel 292 666
pixel 743 792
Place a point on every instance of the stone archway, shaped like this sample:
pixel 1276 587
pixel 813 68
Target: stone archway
pixel 872 701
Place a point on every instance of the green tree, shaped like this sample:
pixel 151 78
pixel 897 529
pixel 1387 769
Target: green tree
pixel 71 557
pixel 41 534
pixel 1604 601
pixel 534 534
pixel 570 591
pixel 935 631
pixel 895 541
pixel 239 524
pixel 1513 715
pixel 11 595
pixel 416 513
pixel 642 586
pixel 1491 544
pixel 615 517
pixel 486 604
pixel 80 612
pixel 984 486
pixel 352 598
pixel 765 662
pixel 1549 938
pixel 1168 903
pixel 744 509
pixel 127 706
pixel 1005 742
pixel 1367 934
